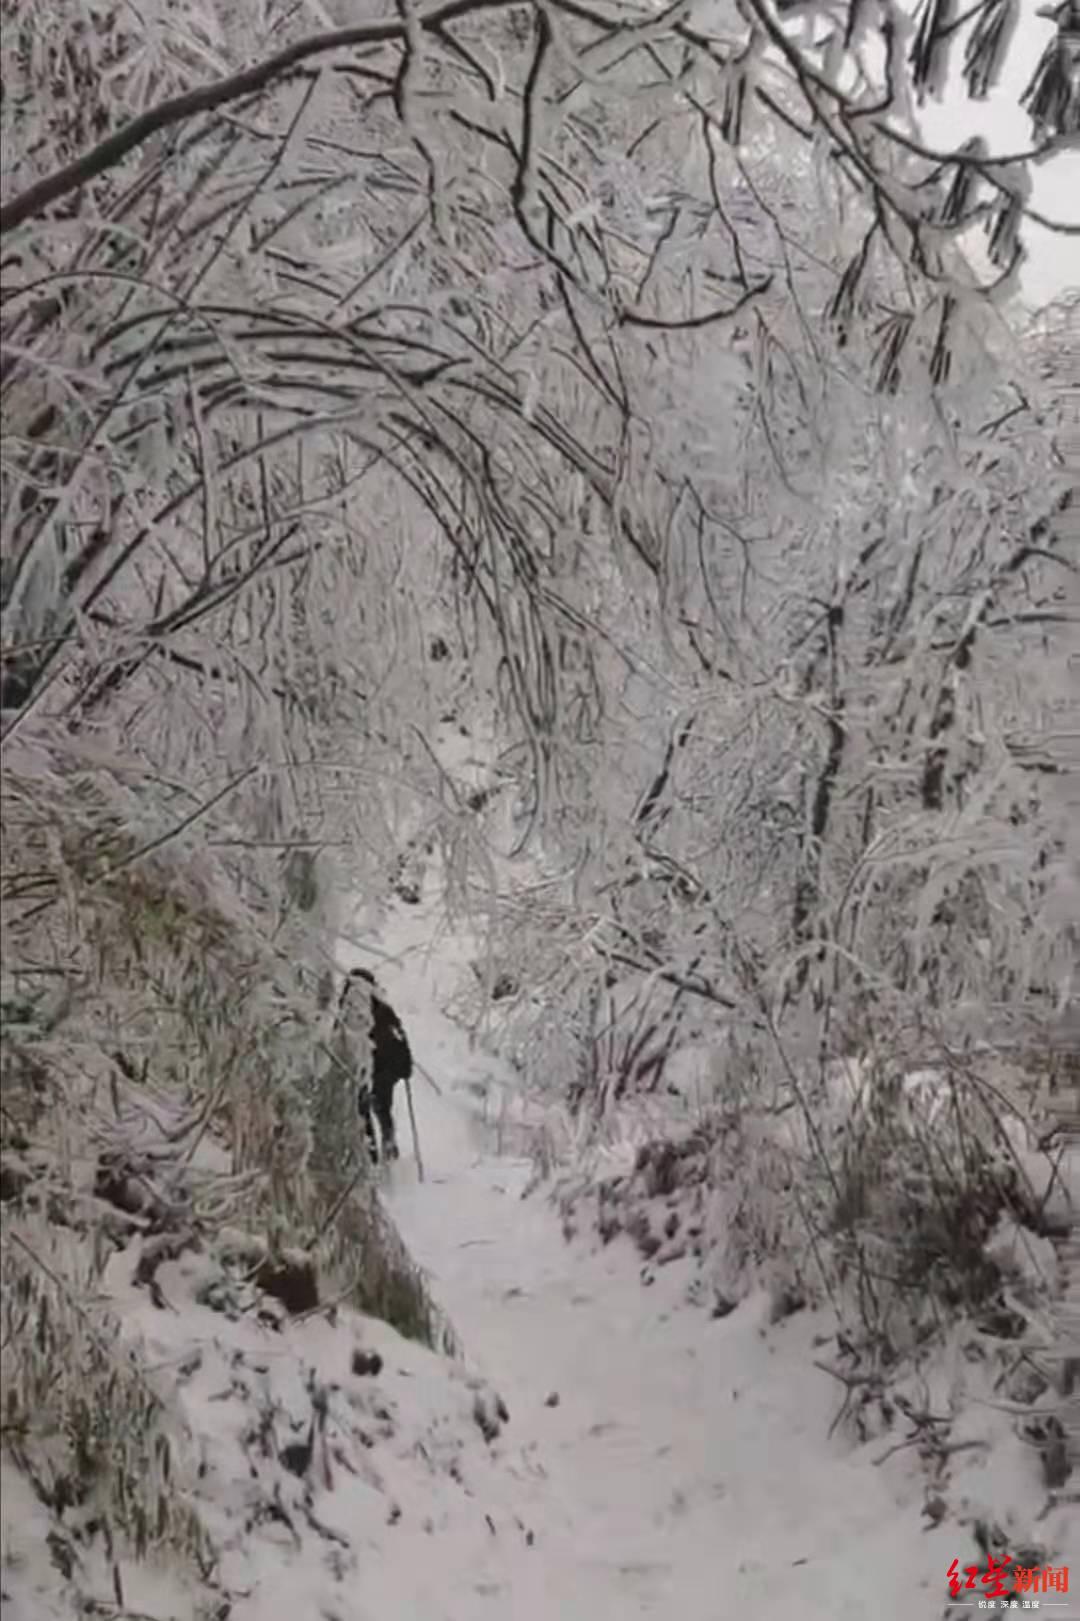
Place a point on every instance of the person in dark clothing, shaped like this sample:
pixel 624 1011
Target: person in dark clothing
pixel 391 1061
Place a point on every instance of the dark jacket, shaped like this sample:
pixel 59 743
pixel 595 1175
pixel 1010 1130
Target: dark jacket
pixel 391 1056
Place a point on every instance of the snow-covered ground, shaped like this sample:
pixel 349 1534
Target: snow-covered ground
pixel 655 1461
pixel 666 1463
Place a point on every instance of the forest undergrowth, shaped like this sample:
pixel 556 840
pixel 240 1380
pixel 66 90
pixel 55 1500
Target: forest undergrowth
pixel 166 1090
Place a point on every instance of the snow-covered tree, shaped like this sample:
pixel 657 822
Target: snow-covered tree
pixel 618 370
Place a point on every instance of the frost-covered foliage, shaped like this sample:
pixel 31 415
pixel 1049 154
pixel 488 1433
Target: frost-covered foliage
pixel 847 795
pixel 159 1055
pixel 432 275
pixel 829 807
pixel 136 966
pixel 613 375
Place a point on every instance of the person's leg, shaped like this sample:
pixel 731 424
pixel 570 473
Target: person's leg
pixel 384 1110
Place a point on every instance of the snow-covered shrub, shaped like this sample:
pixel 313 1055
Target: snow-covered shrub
pixel 900 1196
pixel 158 1053
pixel 94 1432
pixel 836 815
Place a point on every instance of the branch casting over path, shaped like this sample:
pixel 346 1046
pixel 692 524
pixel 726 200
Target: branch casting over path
pixel 115 147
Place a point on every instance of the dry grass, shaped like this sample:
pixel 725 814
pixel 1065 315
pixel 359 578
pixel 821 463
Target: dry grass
pixel 160 1061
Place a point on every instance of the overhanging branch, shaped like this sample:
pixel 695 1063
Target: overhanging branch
pixel 207 98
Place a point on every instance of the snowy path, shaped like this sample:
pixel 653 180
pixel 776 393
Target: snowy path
pixel 685 1470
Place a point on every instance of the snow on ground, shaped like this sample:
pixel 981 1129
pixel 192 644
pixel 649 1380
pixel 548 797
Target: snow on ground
pixel 667 1463
pixel 655 1461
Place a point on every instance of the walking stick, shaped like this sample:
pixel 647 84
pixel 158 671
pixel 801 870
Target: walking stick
pixel 415 1136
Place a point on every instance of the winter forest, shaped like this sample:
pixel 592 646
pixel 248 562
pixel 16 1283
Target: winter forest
pixel 570 506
